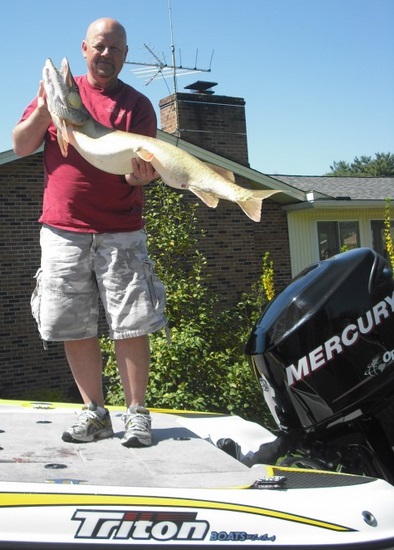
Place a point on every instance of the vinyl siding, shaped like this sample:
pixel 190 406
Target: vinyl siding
pixel 302 225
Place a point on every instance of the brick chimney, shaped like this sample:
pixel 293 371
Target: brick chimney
pixel 213 122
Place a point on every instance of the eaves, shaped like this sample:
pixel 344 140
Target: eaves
pixel 336 204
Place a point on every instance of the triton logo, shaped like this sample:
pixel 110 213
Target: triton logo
pixel 131 525
pixel 337 344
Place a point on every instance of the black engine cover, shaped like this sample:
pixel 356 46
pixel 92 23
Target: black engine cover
pixel 324 347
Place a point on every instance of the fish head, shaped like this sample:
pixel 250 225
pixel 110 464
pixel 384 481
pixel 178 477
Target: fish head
pixel 62 95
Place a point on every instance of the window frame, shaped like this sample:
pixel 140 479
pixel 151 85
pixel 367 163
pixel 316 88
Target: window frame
pixel 339 236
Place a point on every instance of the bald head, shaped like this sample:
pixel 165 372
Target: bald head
pixel 106 25
pixel 105 50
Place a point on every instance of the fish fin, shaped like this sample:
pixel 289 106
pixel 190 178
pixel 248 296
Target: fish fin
pixel 252 206
pixel 63 143
pixel 208 198
pixel 226 174
pixel 63 136
pixel 145 155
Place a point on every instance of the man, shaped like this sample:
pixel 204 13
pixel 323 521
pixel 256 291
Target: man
pixel 93 243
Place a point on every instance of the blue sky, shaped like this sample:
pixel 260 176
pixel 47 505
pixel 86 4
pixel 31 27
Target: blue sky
pixel 317 75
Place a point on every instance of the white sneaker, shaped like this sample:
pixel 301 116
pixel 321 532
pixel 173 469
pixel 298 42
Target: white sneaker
pixel 90 425
pixel 138 427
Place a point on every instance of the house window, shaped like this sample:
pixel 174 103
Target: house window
pixel 377 234
pixel 334 236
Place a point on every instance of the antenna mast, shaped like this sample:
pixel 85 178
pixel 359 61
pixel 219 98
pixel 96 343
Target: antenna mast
pixel 172 50
pixel 158 66
pixel 176 106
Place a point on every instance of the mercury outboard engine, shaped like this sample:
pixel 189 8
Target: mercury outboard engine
pixel 323 352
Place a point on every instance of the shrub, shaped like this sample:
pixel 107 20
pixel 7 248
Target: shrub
pixel 387 234
pixel 204 368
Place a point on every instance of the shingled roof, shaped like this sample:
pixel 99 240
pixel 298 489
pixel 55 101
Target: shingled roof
pixel 333 187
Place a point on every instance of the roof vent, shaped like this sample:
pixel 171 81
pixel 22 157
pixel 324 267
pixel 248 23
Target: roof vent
pixel 201 87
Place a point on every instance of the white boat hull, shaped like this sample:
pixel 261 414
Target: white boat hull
pixel 291 508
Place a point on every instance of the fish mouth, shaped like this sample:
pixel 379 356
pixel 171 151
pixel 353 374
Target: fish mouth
pixel 62 93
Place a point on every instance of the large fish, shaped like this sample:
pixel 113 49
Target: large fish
pixel 112 150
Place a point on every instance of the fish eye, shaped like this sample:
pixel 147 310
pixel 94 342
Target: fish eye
pixel 74 99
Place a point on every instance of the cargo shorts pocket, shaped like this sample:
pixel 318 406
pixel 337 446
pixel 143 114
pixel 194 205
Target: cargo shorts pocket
pixel 35 301
pixel 156 288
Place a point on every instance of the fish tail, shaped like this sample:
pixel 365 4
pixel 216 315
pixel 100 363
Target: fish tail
pixel 252 208
pixel 253 205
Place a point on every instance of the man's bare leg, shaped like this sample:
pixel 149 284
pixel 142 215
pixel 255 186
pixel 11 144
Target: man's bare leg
pixel 94 422
pixel 132 357
pixel 85 360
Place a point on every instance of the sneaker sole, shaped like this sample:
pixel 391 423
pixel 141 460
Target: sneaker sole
pixel 68 438
pixel 135 442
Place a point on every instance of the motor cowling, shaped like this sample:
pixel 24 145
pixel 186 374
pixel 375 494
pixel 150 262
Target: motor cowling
pixel 323 349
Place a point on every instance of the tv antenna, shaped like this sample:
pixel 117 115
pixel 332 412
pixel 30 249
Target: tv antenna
pixel 157 65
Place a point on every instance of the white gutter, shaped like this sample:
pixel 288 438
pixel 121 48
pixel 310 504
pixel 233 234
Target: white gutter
pixel 335 204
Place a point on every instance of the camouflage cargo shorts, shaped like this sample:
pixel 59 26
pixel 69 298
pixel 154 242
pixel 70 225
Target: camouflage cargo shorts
pixel 79 268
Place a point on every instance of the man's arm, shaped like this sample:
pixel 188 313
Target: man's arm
pixel 29 134
pixel 144 122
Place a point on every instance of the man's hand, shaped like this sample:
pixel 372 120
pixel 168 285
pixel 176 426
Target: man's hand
pixel 142 173
pixel 41 96
pixel 29 134
pixel 42 105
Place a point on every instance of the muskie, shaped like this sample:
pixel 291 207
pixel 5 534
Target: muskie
pixel 112 150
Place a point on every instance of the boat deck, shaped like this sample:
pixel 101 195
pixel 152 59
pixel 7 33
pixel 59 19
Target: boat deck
pixel 182 453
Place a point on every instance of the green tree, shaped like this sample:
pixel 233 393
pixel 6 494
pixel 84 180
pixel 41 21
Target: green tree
pixel 204 368
pixel 380 166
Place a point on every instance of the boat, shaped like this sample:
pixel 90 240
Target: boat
pixel 183 490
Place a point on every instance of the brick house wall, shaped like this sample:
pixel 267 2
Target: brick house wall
pixel 25 365
pixel 233 246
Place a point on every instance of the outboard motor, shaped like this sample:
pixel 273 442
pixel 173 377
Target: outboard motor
pixel 323 352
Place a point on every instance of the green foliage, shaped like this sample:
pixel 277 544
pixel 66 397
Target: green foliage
pixel 381 166
pixel 388 240
pixel 204 368
pixel 267 277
